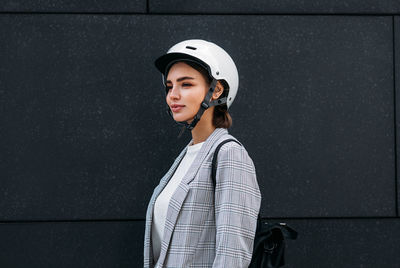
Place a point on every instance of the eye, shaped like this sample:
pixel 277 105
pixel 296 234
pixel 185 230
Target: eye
pixel 168 88
pixel 186 84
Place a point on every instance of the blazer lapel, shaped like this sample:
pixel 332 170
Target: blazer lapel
pixel 181 192
pixel 148 250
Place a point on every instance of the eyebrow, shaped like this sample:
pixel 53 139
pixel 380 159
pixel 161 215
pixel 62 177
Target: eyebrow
pixel 180 79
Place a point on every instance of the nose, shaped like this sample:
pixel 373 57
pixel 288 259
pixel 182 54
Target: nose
pixel 174 93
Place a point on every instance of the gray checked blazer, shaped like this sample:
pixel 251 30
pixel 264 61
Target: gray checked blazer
pixel 204 228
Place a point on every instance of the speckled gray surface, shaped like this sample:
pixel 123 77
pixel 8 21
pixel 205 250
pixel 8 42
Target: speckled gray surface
pixel 396 21
pixel 83 119
pixel 72 244
pixel 276 6
pixel 85 136
pixel 319 111
pixel 344 243
pixel 74 6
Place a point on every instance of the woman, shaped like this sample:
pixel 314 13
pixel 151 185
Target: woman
pixel 189 221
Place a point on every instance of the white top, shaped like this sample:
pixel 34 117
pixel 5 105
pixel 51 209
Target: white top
pixel 162 201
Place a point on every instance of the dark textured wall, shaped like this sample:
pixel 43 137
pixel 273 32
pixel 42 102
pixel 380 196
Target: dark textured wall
pixel 84 137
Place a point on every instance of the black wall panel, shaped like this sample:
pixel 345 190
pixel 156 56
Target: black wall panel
pixel 344 243
pixel 276 6
pixel 315 112
pixel 72 244
pixel 82 117
pixel 74 6
pixel 86 136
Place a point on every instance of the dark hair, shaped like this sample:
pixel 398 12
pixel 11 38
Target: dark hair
pixel 221 116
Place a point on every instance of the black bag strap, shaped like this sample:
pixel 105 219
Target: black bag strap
pixel 214 160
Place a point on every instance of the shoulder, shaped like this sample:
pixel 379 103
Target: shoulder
pixel 234 164
pixel 233 151
pixel 233 145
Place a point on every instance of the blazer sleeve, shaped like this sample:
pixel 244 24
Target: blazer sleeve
pixel 237 203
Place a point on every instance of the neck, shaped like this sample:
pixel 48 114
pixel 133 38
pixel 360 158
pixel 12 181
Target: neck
pixel 204 127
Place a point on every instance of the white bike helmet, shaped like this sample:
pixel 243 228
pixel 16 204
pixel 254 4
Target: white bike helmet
pixel 214 59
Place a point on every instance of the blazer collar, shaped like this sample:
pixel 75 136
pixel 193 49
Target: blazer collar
pixel 204 151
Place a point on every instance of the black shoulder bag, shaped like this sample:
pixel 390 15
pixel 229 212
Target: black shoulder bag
pixel 269 240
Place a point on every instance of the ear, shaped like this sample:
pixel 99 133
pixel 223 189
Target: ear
pixel 219 89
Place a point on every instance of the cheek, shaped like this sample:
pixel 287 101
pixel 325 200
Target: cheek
pixel 195 96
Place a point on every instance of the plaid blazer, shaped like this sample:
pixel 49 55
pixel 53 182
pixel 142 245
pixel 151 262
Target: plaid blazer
pixel 204 228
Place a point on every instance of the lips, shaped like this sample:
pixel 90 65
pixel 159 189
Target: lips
pixel 176 107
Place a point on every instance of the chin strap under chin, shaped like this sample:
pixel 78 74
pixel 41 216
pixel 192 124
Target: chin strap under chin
pixel 205 104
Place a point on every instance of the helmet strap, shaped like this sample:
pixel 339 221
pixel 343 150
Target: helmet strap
pixel 205 104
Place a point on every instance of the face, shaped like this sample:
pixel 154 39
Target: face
pixel 186 89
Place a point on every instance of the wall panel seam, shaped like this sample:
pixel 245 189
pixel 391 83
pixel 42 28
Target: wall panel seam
pixel 139 220
pixel 147 12
pixel 395 118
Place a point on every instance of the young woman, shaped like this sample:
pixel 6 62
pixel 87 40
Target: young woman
pixel 189 221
